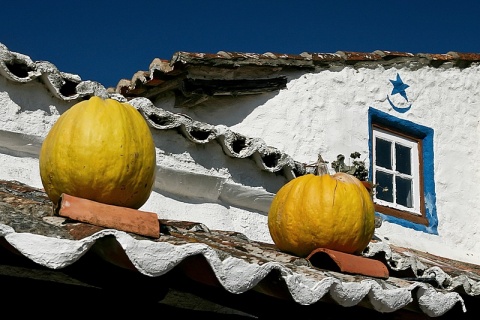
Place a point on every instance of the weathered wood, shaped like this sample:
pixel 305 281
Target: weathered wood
pixel 234 87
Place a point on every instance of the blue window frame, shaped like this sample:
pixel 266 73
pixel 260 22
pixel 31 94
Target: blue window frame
pixel 402 168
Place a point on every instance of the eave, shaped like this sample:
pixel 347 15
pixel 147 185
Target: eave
pixel 41 246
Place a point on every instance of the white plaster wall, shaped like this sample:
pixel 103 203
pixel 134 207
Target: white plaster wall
pixel 29 109
pixel 322 112
pixel 326 112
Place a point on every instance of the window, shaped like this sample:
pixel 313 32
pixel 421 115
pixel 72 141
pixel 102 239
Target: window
pixel 396 172
pixel 401 167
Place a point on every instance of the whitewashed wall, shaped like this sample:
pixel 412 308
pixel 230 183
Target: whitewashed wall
pixel 327 112
pixel 322 112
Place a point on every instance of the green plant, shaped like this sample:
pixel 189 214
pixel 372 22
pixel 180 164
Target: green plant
pixel 358 169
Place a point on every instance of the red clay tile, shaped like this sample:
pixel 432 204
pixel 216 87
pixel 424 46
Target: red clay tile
pixel 359 56
pixel 109 216
pixel 393 54
pixel 325 57
pixel 347 263
pixel 465 56
pixel 437 56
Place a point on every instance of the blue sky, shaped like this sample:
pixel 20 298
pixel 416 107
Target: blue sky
pixel 106 41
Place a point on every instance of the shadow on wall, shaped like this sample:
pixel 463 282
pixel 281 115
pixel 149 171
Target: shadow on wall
pixel 222 110
pixel 210 159
pixel 37 98
pixel 228 110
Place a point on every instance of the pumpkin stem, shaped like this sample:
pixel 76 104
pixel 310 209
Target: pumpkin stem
pixel 321 167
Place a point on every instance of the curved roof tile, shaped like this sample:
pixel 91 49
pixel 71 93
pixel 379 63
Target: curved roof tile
pixel 238 273
pixel 241 271
pixel 182 61
pixel 234 144
pixel 20 68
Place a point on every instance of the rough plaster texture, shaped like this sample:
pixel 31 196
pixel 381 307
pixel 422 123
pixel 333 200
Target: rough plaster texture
pixel 322 112
pixel 326 112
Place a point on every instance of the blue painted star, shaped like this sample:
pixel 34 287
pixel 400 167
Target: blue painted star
pixel 399 87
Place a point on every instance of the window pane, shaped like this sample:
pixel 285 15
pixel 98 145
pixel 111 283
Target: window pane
pixel 397 172
pixel 384 189
pixel 403 159
pixel 404 192
pixel 383 153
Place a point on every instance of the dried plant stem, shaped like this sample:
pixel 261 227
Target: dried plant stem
pixel 321 167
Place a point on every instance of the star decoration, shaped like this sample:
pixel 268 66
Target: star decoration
pixel 399 87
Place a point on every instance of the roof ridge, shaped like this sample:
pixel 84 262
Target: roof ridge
pixel 18 67
pixel 165 74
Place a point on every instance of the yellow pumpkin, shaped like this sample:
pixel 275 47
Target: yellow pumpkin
pixel 101 150
pixel 322 211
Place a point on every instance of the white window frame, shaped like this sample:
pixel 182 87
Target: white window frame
pixel 415 170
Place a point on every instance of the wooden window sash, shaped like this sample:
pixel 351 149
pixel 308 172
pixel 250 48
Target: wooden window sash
pixel 404 214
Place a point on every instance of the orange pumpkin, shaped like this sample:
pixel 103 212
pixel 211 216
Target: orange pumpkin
pixel 101 150
pixel 322 211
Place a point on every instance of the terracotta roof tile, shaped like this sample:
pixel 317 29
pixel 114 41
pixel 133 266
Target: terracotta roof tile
pixel 166 74
pixel 231 73
pixel 439 283
pixel 238 265
pixel 393 54
pixel 358 56
pixel 188 61
pixel 322 57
